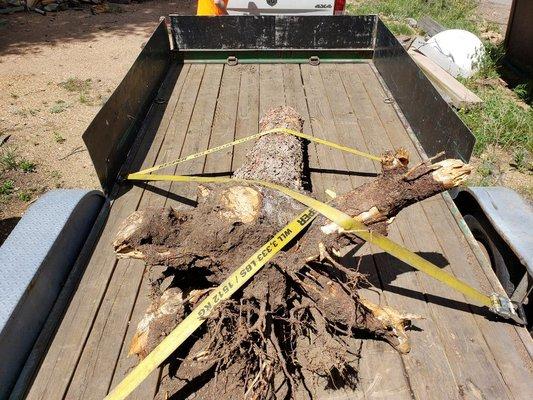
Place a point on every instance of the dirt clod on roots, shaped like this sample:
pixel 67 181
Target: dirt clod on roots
pixel 293 321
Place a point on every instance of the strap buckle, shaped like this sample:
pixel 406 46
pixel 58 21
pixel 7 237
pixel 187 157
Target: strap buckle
pixel 502 306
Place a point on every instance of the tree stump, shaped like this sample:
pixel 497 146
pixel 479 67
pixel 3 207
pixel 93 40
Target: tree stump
pixel 249 347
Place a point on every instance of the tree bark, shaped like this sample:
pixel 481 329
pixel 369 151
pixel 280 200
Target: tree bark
pixel 252 340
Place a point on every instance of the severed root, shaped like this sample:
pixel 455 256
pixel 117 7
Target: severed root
pixel 450 173
pixel 161 317
pixel 394 322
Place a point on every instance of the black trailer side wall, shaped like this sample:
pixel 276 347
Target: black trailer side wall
pixel 110 135
pixel 436 125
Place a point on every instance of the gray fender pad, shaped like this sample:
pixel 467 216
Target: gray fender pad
pixel 35 261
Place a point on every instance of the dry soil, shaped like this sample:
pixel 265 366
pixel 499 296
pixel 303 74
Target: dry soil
pixel 56 71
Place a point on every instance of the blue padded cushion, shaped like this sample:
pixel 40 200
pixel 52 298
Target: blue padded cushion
pixel 35 261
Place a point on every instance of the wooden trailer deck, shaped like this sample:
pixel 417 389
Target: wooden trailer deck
pixel 457 351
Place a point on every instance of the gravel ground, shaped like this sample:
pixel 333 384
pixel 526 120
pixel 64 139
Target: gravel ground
pixel 56 71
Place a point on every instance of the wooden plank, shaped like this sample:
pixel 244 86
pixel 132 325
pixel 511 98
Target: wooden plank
pixel 453 91
pixel 430 26
pixel 349 133
pixel 497 335
pixel 323 127
pixel 271 92
pixel 95 368
pixel 427 360
pixel 222 132
pixel 125 363
pixel 197 138
pixel 468 354
pixel 94 371
pixel 53 377
pixel 295 97
pixel 381 376
pixel 248 111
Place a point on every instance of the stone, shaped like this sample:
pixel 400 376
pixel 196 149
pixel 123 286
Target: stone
pixel 411 22
pixel 51 7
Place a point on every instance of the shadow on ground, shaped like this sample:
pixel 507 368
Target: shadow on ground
pixel 25 32
pixel 6 226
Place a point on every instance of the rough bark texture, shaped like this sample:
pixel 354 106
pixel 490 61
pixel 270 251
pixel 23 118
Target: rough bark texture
pixel 251 346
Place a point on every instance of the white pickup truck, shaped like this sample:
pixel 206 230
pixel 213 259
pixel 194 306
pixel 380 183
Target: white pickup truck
pixel 286 7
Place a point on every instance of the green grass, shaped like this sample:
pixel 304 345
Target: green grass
pixel 458 14
pixel 58 137
pixel 76 85
pixel 24 196
pixel 7 187
pixel 499 121
pixel 58 107
pixel 85 99
pixel 520 160
pixel 83 87
pixel 8 159
pixel 27 166
pixel 502 119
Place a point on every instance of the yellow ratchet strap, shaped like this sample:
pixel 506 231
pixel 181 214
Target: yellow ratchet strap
pixel 223 292
pixel 257 136
pixel 345 222
pixel 251 266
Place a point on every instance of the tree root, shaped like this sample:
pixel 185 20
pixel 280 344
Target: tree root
pixel 253 345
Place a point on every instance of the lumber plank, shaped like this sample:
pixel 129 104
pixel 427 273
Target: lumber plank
pixel 469 356
pixel 453 91
pixel 329 158
pixel 349 132
pixel 271 92
pixel 55 372
pixel 323 127
pixel 198 135
pixel 295 97
pixel 94 371
pixel 514 366
pixel 427 360
pixel 248 111
pixel 184 196
pixel 224 123
pixel 384 376
pixel 126 363
pixel 430 26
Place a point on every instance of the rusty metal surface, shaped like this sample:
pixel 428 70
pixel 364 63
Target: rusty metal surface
pixel 110 135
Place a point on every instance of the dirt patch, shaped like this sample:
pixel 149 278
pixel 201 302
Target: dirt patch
pixel 56 72
pixel 498 167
